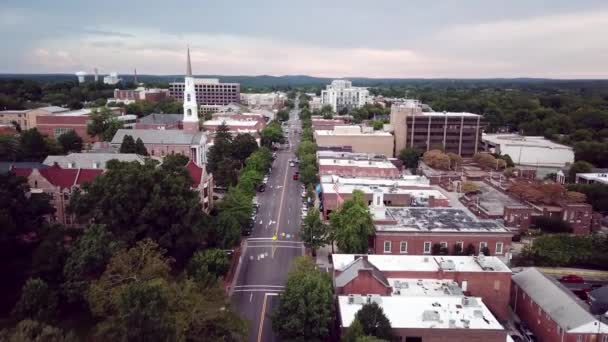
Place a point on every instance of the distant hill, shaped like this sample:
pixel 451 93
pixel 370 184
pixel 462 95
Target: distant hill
pixel 303 80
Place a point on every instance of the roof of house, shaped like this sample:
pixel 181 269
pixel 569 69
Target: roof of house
pixel 153 136
pixel 161 119
pixel 54 109
pixel 196 172
pixel 567 310
pixel 351 271
pixel 6 166
pixel 60 177
pixel 89 160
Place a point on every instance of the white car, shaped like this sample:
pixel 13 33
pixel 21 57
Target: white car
pixel 265 180
pixel 292 164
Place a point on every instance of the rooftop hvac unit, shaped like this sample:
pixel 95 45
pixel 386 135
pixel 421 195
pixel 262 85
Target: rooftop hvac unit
pixel 466 323
pixel 430 316
pixel 351 299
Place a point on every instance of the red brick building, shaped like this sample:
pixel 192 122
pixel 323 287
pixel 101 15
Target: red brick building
pixel 358 168
pixel 58 183
pixel 420 295
pixel 326 124
pixel 552 311
pixel 414 230
pixel 55 125
pixel 519 217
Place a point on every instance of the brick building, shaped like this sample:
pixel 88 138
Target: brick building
pixel 422 296
pixel 519 217
pixel 458 133
pixel 410 230
pixel 90 160
pixel 405 191
pixel 8 117
pixel 56 125
pixel 58 183
pixel 139 94
pixel 552 311
pixel 326 124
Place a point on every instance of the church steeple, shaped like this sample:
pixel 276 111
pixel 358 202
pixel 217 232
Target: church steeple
pixel 189 65
pixel 190 121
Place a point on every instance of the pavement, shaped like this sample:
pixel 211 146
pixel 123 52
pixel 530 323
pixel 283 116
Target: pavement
pixel 268 253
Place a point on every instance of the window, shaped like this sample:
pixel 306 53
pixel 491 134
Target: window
pixel 579 338
pixel 460 246
pixel 427 247
pixel 60 130
pixel 403 247
pixel 496 285
pixel 443 244
pixel 189 112
pixel 188 96
pixel 605 338
pixel 498 248
pixel 387 246
pixel 559 330
pixel 482 245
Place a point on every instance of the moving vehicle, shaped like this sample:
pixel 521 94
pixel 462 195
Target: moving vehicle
pixel 262 187
pixel 572 278
pixel 296 176
pixel 291 163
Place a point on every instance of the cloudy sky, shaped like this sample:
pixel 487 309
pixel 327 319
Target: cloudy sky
pixel 332 38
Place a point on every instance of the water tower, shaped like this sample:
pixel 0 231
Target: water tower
pixel 81 75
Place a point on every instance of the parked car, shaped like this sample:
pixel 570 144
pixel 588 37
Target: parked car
pixel 296 176
pixel 572 278
pixel 262 187
pixel 291 164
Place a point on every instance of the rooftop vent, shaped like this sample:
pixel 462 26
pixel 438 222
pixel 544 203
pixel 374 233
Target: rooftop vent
pixel 447 265
pixel 430 316
pixel 466 323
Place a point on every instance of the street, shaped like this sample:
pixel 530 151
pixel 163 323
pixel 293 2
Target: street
pixel 264 263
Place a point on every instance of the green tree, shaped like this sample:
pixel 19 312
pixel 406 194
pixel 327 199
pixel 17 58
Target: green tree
pixel 70 141
pixel 313 231
pixel 33 146
pixel 352 224
pixel 374 322
pixel 272 133
pixel 9 148
pixel 308 175
pixel 283 115
pixel 34 331
pixel 306 147
pixel 140 148
pixel 579 166
pixel 354 332
pixel 596 194
pixel 410 157
pixel 209 265
pixel 103 124
pixel 136 201
pixel 87 259
pixel 127 145
pixel 37 301
pixel 243 146
pixel 305 308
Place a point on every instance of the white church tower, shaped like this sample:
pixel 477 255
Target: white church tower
pixel 190 121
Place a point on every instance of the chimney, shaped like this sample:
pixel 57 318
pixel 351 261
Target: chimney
pixel 378 209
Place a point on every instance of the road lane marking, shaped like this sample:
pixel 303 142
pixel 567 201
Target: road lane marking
pixel 251 297
pixel 263 315
pixel 282 196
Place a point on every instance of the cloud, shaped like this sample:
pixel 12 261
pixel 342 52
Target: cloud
pixel 562 46
pixel 108 33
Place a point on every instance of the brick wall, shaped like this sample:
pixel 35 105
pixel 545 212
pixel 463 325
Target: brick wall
pixel 540 322
pixel 352 171
pixel 415 241
pixel 579 215
pixel 451 335
pixel 47 125
pixel 518 217
pixel 364 284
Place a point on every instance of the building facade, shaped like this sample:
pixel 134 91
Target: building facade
pixel 9 117
pixel 552 311
pixel 341 94
pixel 209 91
pixel 139 94
pixel 459 133
pixel 356 139
pixel 58 183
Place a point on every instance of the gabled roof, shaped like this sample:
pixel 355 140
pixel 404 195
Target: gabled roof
pixel 196 173
pixel 163 119
pixel 66 178
pixel 351 272
pixel 554 299
pixel 88 160
pixel 159 136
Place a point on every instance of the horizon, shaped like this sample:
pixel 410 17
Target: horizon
pixel 419 40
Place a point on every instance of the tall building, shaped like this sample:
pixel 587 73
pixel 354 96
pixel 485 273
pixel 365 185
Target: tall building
pixel 458 133
pixel 341 94
pixel 190 121
pixel 210 93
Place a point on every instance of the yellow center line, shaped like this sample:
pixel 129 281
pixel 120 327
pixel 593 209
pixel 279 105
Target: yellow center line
pixel 276 232
pixel 261 327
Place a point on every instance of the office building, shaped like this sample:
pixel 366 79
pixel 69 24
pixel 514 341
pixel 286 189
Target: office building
pixel 209 92
pixel 528 150
pixel 355 139
pixel 341 94
pixel 458 133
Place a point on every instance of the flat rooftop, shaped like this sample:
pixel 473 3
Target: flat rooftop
pixel 78 112
pixel 494 201
pixel 426 312
pixel 595 177
pixel 410 219
pixel 231 122
pixel 349 155
pixel 521 140
pixel 403 181
pixel 422 263
pixel 350 131
pixel 382 164
pixel 424 287
pixel 330 188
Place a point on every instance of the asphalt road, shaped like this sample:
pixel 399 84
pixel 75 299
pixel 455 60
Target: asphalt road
pixel 264 264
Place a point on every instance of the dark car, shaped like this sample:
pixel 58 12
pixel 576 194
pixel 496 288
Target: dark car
pixel 262 187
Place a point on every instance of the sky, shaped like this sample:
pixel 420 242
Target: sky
pixel 327 38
